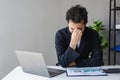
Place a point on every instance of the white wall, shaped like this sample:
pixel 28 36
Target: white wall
pixel 27 25
pixel 30 25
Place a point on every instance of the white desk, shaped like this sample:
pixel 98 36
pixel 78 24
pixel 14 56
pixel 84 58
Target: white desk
pixel 18 74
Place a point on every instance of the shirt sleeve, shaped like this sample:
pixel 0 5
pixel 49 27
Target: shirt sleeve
pixel 65 55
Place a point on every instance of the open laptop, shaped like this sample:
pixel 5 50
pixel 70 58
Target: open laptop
pixel 32 62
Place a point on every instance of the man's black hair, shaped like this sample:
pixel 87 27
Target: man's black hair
pixel 77 14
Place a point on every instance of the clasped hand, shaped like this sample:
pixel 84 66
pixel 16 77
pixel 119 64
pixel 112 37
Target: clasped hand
pixel 75 37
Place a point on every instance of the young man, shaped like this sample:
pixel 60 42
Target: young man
pixel 78 45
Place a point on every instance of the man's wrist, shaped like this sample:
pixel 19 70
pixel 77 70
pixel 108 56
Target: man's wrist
pixel 73 46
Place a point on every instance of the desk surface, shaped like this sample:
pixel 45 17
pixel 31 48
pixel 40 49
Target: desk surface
pixel 18 74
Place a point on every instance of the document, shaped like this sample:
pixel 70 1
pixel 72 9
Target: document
pixel 91 71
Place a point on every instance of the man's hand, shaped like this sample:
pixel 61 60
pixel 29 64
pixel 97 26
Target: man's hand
pixel 72 64
pixel 75 37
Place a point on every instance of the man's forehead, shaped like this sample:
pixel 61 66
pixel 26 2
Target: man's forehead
pixel 78 27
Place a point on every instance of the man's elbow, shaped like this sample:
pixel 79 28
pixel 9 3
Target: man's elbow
pixel 63 64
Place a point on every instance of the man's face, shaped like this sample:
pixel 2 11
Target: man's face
pixel 73 26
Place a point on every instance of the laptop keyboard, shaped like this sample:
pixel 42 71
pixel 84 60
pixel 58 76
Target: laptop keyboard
pixel 54 72
pixel 51 73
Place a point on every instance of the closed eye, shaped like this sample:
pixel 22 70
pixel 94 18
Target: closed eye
pixel 72 28
pixel 80 28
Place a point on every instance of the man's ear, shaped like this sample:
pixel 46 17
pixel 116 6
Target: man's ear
pixel 86 22
pixel 67 22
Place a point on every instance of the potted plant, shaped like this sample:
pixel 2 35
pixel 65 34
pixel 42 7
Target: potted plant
pixel 100 28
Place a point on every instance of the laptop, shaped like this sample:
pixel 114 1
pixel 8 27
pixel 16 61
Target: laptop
pixel 32 62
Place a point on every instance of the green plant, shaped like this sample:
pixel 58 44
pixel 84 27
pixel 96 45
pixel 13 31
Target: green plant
pixel 100 28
